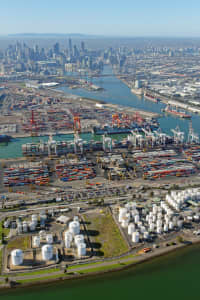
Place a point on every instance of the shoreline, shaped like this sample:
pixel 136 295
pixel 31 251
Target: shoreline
pixel 73 276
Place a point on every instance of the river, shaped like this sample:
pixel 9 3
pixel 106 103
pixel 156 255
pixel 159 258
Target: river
pixel 175 276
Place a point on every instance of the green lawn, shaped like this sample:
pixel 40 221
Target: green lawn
pixel 49 271
pixel 5 231
pixel 23 243
pixel 105 234
pixel 0 260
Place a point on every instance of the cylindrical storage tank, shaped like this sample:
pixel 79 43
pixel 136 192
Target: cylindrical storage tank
pixel 47 252
pixel 166 228
pixel 151 227
pixel 34 218
pixel 67 243
pixel 145 235
pixel 125 223
pixel 196 218
pixel 81 249
pixel 76 218
pixel 135 237
pixel 122 214
pixel 25 227
pixel 180 223
pixel 68 235
pixel 17 257
pixel 159 230
pixel 171 225
pixel 136 218
pixel 78 239
pixel 32 226
pixel 43 217
pixel 154 218
pixel 42 234
pixel 159 223
pixel 49 238
pixel 142 229
pixel 19 228
pixel 74 227
pixel 6 224
pixel 190 218
pixel 36 241
pixel 131 228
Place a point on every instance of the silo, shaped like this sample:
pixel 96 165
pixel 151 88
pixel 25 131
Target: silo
pixel 47 252
pixel 17 257
pixel 49 238
pixel 196 218
pixel 81 249
pixel 142 229
pixel 6 224
pixel 79 239
pixel 145 235
pixel 135 237
pixel 74 227
pixel 68 235
pixel 131 228
pixel 36 241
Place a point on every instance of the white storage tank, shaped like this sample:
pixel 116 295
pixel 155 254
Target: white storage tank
pixel 47 252
pixel 122 214
pixel 135 237
pixel 32 226
pixel 25 227
pixel 42 234
pixel 49 238
pixel 171 225
pixel 81 249
pixel 34 218
pixel 78 239
pixel 76 218
pixel 125 223
pixel 74 227
pixel 166 228
pixel 19 228
pixel 136 218
pixel 17 257
pixel 131 228
pixel 151 227
pixel 36 241
pixel 159 230
pixel 68 235
pixel 196 218
pixel 67 243
pixel 6 224
pixel 180 223
pixel 145 235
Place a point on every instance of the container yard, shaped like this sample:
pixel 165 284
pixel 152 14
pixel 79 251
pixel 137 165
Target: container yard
pixel 73 170
pixel 193 153
pixel 26 174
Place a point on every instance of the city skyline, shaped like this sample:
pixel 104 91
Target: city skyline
pixel 172 19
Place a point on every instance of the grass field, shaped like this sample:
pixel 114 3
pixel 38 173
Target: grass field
pixel 105 235
pixel 23 243
pixel 5 231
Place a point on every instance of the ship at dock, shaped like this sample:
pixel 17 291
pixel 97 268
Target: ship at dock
pixel 151 97
pixel 178 113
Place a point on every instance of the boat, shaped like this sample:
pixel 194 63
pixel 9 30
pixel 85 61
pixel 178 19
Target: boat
pixel 151 97
pixel 174 111
pixel 4 138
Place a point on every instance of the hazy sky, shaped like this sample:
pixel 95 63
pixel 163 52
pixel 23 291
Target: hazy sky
pixel 107 17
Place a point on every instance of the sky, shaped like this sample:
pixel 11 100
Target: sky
pixel 102 17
